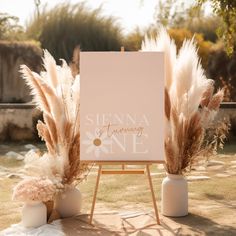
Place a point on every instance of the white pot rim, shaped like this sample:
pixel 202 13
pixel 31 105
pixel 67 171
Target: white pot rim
pixel 175 176
pixel 32 202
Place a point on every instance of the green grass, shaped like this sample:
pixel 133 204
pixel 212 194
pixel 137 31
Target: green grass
pixel 216 189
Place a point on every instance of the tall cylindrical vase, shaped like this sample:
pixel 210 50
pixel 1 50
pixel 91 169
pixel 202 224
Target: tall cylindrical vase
pixel 34 214
pixel 174 196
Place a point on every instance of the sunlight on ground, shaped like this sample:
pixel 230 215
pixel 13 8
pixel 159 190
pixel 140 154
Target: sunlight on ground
pixel 208 198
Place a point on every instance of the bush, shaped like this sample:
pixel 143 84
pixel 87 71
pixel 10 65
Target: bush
pixel 207 26
pixel 133 40
pixel 63 28
pixel 222 69
pixel 10 29
pixel 179 35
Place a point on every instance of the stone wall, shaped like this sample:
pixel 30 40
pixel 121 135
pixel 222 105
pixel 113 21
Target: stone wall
pixel 18 121
pixel 12 55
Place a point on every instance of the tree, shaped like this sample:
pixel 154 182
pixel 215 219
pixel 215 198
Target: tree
pixel 133 40
pixel 226 9
pixel 170 13
pixel 9 28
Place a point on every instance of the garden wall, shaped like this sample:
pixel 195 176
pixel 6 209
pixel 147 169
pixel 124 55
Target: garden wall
pixel 12 55
pixel 18 121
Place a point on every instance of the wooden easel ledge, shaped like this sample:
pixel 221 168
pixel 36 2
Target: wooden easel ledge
pixel 124 171
pixel 119 172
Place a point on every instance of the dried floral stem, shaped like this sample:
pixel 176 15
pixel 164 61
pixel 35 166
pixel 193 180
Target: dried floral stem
pixel 186 88
pixel 59 133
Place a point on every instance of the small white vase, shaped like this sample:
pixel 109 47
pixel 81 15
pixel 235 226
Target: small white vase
pixel 34 214
pixel 69 203
pixel 174 196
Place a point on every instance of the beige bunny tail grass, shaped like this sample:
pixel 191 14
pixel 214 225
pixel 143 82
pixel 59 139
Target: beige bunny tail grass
pixel 45 135
pixel 50 123
pixel 207 95
pixel 217 98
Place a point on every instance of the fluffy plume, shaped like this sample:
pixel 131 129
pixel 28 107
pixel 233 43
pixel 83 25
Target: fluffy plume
pixel 36 89
pixel 50 123
pixel 45 135
pixel 207 95
pixel 57 94
pixel 214 103
pixel 185 68
pixel 50 67
pixel 163 43
pixel 189 82
pixel 186 88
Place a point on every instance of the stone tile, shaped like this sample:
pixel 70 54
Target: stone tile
pixel 30 146
pixel 214 168
pixel 215 163
pixel 222 175
pixel 197 178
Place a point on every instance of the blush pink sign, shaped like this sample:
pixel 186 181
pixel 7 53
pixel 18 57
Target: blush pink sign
pixel 122 106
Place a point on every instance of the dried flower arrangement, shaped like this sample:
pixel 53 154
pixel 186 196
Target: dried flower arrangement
pixel 187 89
pixel 56 92
pixel 34 189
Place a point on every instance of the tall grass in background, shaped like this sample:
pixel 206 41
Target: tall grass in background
pixel 66 26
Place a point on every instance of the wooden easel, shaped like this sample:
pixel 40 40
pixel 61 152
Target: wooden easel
pixel 124 171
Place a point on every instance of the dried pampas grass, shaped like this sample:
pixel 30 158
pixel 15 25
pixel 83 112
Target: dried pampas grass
pixel 186 89
pixel 36 89
pixel 167 105
pixel 56 93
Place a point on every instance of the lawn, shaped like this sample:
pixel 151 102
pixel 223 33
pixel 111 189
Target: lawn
pixel 212 202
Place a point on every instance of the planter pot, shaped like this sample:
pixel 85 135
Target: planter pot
pixel 49 205
pixel 69 203
pixel 174 196
pixel 34 214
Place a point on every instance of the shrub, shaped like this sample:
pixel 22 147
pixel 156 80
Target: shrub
pixel 10 28
pixel 133 40
pixel 179 35
pixel 66 26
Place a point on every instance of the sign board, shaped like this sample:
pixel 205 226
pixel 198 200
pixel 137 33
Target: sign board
pixel 122 106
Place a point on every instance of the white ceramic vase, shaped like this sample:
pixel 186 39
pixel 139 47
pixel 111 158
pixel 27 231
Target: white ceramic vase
pixel 34 214
pixel 174 196
pixel 69 203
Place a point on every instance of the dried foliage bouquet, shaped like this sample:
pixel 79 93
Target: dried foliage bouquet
pixel 34 189
pixel 190 102
pixel 56 92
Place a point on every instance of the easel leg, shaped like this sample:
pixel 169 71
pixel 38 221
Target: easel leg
pixel 95 194
pixel 153 195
